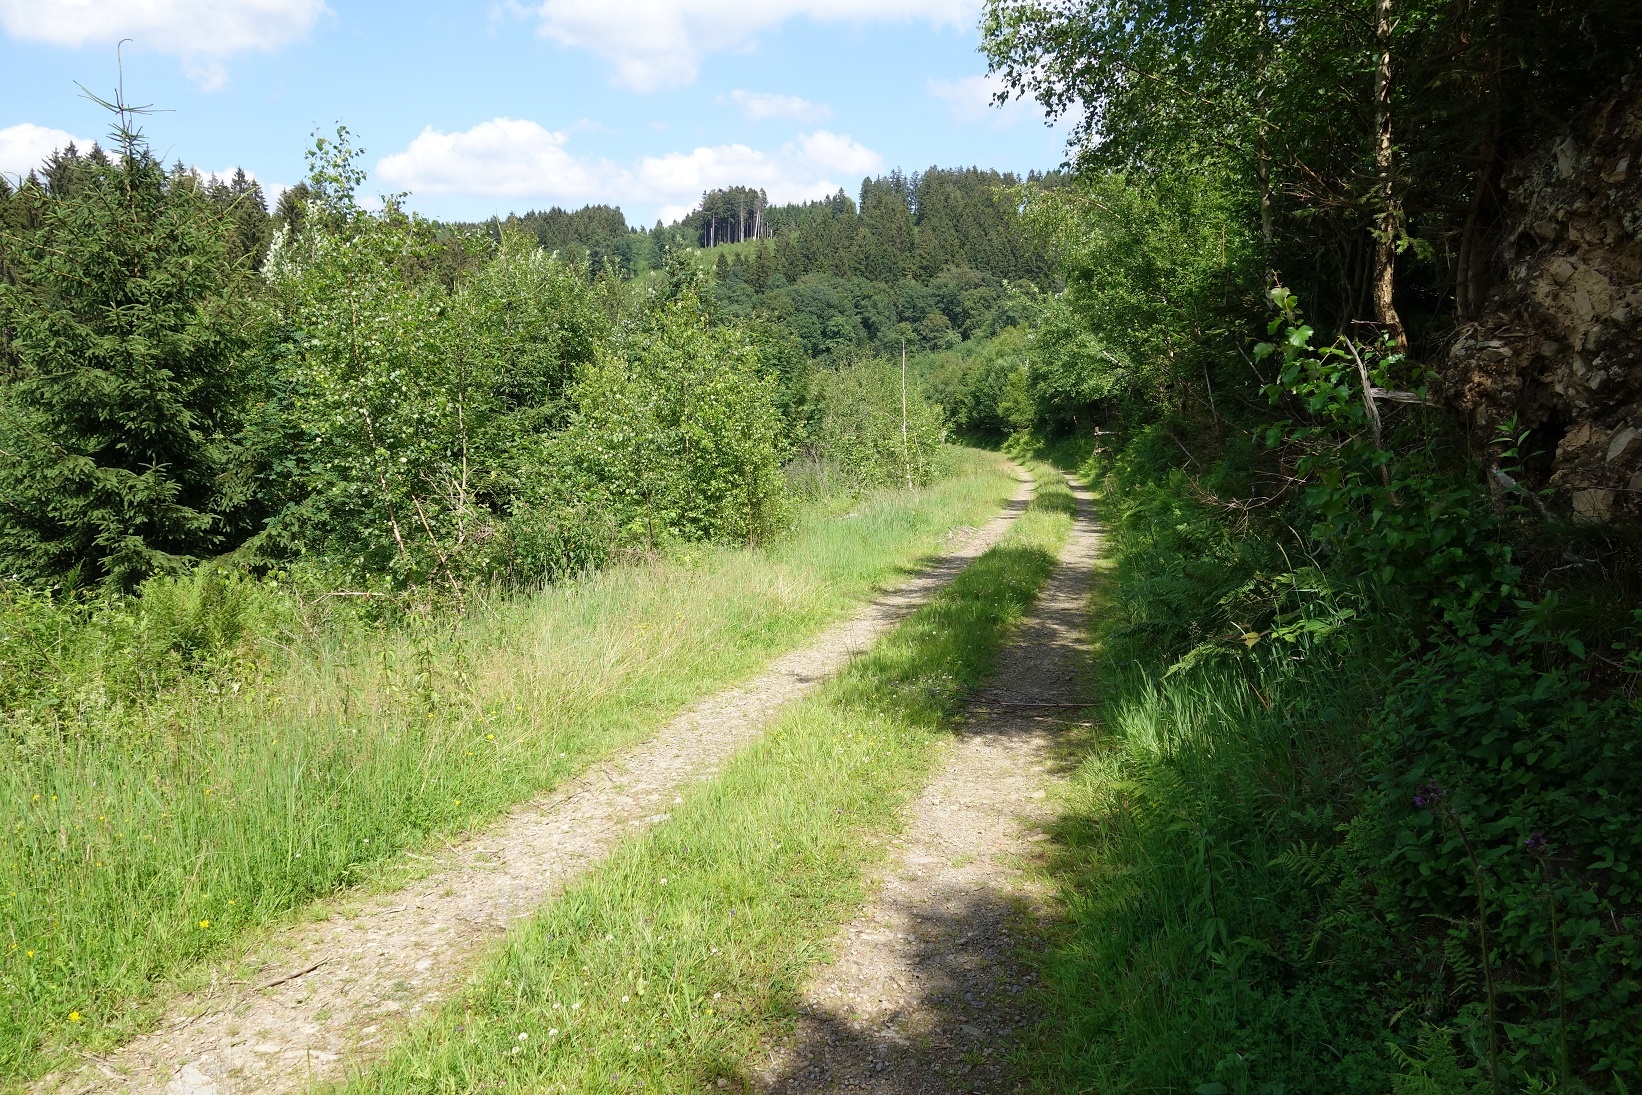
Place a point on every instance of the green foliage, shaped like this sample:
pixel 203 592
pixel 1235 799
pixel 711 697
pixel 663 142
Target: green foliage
pixel 859 429
pixel 1442 549
pixel 1332 802
pixel 1281 99
pixel 416 409
pixel 674 437
pixel 1159 270
pixel 1363 775
pixel 984 386
pixel 86 667
pixel 121 319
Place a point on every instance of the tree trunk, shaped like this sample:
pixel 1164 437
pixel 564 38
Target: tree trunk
pixel 1385 235
pixel 1469 287
pixel 1264 169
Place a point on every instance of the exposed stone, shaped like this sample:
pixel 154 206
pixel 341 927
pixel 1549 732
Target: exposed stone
pixel 1624 443
pixel 1594 505
pixel 1555 343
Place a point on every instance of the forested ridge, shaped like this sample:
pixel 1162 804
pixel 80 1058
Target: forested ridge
pixel 1333 305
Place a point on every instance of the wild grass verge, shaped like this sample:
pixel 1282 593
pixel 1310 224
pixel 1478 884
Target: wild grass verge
pixel 158 806
pixel 669 966
pixel 1309 846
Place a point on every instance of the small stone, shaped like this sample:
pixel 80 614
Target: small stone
pixel 191 1081
pixel 1624 443
pixel 1593 506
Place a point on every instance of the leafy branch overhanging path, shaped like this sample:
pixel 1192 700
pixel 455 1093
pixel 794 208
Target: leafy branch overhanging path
pixel 336 993
pixel 928 985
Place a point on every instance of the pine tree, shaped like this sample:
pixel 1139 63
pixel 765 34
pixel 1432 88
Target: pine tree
pixel 119 328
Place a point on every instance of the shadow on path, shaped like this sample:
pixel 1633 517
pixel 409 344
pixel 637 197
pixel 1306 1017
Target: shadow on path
pixel 930 984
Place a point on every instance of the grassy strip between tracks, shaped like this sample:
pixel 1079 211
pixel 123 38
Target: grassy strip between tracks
pixel 670 965
pixel 156 834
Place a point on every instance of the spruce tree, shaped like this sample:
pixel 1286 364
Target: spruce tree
pixel 119 332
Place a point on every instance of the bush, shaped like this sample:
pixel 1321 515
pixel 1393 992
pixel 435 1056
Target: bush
pixel 674 437
pixel 1346 828
pixel 859 428
pixel 86 666
pixel 413 408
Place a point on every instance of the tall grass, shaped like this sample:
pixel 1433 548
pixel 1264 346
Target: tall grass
pixel 1316 844
pixel 1185 914
pixel 1193 951
pixel 670 966
pixel 165 788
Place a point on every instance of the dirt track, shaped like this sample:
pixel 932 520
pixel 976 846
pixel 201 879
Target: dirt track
pixel 335 993
pixel 927 988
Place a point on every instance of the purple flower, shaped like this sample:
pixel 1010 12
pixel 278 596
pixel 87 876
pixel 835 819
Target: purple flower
pixel 1536 844
pixel 1429 795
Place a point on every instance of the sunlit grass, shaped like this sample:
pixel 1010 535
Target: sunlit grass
pixel 229 803
pixel 674 962
pixel 1192 783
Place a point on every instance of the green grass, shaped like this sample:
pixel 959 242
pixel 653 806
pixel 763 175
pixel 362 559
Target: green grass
pixel 1188 954
pixel 669 965
pixel 151 825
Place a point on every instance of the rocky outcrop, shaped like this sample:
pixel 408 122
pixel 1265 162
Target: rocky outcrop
pixel 1559 342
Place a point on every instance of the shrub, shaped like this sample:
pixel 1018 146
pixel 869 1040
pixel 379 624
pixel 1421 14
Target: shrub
pixel 674 437
pixel 859 428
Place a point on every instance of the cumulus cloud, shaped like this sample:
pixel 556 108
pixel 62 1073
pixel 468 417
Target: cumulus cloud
pixel 26 146
pixel 655 44
pixel 504 158
pixel 517 159
pixel 200 32
pixel 970 98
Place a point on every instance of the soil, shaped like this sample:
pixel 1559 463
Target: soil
pixel 335 993
pixel 932 980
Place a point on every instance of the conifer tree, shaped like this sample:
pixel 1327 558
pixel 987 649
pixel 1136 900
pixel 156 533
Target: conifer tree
pixel 118 336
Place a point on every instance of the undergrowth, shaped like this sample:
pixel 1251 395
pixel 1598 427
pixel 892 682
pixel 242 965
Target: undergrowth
pixel 1343 825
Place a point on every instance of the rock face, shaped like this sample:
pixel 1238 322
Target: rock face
pixel 1559 342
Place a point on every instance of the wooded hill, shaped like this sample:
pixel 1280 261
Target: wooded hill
pixel 928 259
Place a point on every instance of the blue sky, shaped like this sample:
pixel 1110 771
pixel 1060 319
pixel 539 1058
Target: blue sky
pixel 482 108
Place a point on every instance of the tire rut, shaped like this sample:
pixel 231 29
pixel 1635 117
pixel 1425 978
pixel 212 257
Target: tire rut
pixel 929 986
pixel 336 993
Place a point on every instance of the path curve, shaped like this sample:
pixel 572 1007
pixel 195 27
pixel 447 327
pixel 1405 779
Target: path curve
pixel 928 985
pixel 350 984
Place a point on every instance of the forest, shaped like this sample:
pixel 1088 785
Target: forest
pixel 325 523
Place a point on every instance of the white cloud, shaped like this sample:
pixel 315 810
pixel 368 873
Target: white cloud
pixel 26 146
pixel 504 158
pixel 200 32
pixel 759 106
pixel 660 43
pixel 970 98
pixel 520 160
